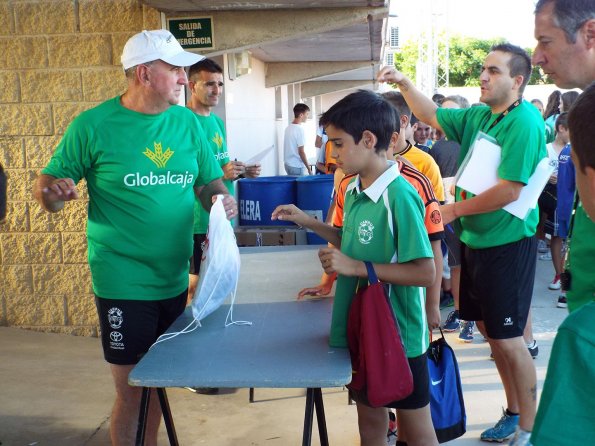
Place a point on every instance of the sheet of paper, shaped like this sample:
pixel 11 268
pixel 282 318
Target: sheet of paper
pixel 530 193
pixel 448 183
pixel 256 159
pixel 479 170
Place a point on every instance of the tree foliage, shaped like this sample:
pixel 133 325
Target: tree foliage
pixel 466 56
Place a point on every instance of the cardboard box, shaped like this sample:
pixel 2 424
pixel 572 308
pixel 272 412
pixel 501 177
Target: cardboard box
pixel 265 236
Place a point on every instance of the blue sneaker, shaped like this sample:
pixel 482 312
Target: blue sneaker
pixel 452 322
pixel 466 334
pixel 503 429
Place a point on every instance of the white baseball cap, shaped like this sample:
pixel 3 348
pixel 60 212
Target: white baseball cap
pixel 147 46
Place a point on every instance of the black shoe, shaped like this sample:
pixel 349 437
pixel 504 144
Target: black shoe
pixel 562 302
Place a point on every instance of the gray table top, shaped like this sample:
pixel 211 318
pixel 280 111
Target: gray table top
pixel 286 346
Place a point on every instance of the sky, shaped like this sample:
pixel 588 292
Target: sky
pixel 510 19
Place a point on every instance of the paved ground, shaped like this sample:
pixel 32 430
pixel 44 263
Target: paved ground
pixel 56 389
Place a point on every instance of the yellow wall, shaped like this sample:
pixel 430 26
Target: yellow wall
pixel 57 58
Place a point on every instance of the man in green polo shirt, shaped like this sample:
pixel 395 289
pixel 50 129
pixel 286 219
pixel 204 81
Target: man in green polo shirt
pixel 205 82
pixel 498 252
pixel 142 172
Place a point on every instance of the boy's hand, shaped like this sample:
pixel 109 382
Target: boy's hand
pixel 289 212
pixel 334 261
pixel 390 75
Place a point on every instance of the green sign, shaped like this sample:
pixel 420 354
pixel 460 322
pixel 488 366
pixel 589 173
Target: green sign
pixel 193 32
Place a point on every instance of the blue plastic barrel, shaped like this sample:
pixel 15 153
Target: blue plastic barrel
pixel 258 197
pixel 314 198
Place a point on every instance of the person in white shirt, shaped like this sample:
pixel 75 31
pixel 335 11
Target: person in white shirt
pixel 294 154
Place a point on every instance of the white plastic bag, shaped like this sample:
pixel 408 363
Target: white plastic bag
pixel 220 266
pixel 219 272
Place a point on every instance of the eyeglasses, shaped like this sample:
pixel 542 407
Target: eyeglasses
pixel 213 83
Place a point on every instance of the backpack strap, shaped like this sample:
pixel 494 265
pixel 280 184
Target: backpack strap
pixel 372 277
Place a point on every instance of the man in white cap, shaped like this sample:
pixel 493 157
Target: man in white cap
pixel 143 158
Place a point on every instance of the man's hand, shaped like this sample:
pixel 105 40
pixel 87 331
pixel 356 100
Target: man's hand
pixel 289 212
pixel 233 170
pixel 51 192
pixel 229 204
pixel 252 171
pixel 433 316
pixel 390 75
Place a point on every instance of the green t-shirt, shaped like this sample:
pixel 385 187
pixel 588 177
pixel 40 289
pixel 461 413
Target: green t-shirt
pixel 215 134
pixel 140 171
pixel 581 260
pixel 384 224
pixel 520 134
pixel 566 399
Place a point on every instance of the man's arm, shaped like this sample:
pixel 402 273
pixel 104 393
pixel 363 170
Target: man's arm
pixel 207 193
pixel 494 198
pixel 421 106
pixel 302 153
pixel 51 192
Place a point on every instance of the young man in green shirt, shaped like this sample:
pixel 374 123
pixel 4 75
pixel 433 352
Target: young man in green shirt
pixel 142 173
pixel 498 252
pixel 565 34
pixel 384 224
pixel 205 82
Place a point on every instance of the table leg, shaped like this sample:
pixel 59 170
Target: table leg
pixel 142 416
pixel 308 418
pixel 320 418
pixel 167 418
pixel 251 397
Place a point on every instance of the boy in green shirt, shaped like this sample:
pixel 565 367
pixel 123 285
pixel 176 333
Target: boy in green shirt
pixel 384 224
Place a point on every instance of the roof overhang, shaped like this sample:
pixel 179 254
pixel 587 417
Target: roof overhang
pixel 327 45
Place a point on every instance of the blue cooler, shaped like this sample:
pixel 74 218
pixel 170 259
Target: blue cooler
pixel 314 198
pixel 258 198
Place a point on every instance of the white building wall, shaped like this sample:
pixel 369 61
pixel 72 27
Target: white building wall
pixel 250 117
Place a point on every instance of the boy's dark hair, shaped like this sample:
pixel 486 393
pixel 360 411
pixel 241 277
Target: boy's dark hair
pixel 360 111
pixel 457 99
pixel 582 131
pixel 519 64
pixel 438 98
pixel 562 120
pixel 208 65
pixel 569 15
pixel 397 101
pixel 300 108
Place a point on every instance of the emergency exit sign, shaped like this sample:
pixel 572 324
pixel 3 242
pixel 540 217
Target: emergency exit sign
pixel 193 32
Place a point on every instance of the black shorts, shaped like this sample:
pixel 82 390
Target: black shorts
pixel 196 259
pixel 420 397
pixel 548 200
pixel 130 327
pixel 497 286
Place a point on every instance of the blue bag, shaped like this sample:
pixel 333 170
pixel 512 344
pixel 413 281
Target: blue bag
pixel 446 394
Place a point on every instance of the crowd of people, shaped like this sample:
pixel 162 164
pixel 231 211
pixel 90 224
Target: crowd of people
pixel 151 186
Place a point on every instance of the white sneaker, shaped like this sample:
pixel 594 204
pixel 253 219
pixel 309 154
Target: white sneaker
pixel 546 256
pixel 555 284
pixel 521 438
pixel 542 246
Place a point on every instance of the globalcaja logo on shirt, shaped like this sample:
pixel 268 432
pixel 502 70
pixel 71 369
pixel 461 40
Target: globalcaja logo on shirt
pixel 365 232
pixel 160 159
pixel 218 140
pixel 220 156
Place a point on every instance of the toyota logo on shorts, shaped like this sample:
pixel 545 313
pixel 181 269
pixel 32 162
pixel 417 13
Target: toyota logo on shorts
pixel 116 336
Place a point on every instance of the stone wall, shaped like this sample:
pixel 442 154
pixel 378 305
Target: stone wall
pixel 57 58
